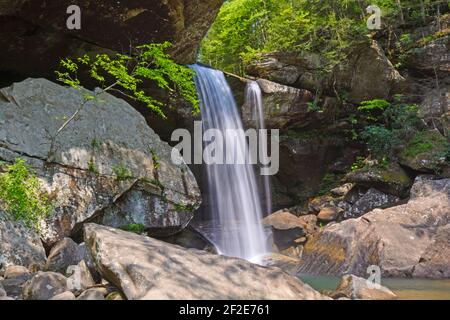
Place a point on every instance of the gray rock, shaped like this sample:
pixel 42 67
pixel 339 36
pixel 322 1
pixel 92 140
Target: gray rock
pixel 431 59
pixel 79 277
pixel 128 158
pixel 19 245
pixel 392 179
pixel 370 200
pixel 2 291
pixel 282 106
pixel 432 158
pixel 14 286
pixel 301 70
pixel 367 74
pixel 15 272
pixel 355 288
pixel 63 254
pixel 286 228
pixel 67 295
pixel 45 285
pixel 398 239
pixel 190 238
pixel 145 268
pixel 91 294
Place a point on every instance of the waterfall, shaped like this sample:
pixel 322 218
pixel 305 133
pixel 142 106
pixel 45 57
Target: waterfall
pixel 253 98
pixel 233 198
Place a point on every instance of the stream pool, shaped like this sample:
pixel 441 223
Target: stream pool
pixel 405 289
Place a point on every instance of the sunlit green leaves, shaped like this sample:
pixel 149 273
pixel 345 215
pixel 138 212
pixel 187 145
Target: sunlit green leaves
pixel 130 75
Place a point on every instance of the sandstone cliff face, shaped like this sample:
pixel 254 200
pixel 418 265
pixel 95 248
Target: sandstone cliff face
pixel 34 35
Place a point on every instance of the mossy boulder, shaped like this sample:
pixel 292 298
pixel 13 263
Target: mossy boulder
pixel 426 152
pixel 391 179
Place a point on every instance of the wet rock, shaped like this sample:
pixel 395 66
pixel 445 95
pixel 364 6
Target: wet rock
pixel 355 288
pixel 367 74
pixel 101 161
pixel 286 228
pixel 67 295
pixel 145 268
pixel 370 200
pixel 91 294
pixel 398 239
pixel 283 106
pixel 19 245
pixel 392 179
pixel 63 254
pixel 45 285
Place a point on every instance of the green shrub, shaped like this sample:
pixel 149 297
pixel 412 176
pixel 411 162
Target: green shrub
pixel 373 108
pixel 134 227
pixel 130 75
pixel 122 173
pixel 380 141
pixel 393 128
pixel 21 194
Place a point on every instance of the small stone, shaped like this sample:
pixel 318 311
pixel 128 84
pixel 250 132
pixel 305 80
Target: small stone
pixel 2 291
pixel 67 295
pixel 92 294
pixel 16 271
pixel 328 214
pixel 116 295
pixel 44 285
pixel 62 255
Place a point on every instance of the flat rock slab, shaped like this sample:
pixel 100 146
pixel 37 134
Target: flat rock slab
pixel 146 268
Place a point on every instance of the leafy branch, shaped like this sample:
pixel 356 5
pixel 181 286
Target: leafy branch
pixel 129 75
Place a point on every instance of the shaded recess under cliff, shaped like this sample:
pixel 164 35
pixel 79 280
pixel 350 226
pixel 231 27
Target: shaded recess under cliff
pixel 34 36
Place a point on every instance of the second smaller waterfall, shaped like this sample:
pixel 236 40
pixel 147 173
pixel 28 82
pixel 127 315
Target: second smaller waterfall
pixel 253 98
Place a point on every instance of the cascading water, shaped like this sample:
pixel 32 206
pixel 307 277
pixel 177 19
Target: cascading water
pixel 254 99
pixel 234 201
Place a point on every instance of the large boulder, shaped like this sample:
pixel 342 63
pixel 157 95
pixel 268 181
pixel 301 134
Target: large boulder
pixel 62 255
pixel 431 59
pixel 34 35
pixel 399 240
pixel 287 228
pixel 45 285
pixel 145 268
pixel 367 74
pixel 98 163
pixel 300 70
pixel 426 152
pixel 356 288
pixel 391 179
pixel 19 245
pixel 307 159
